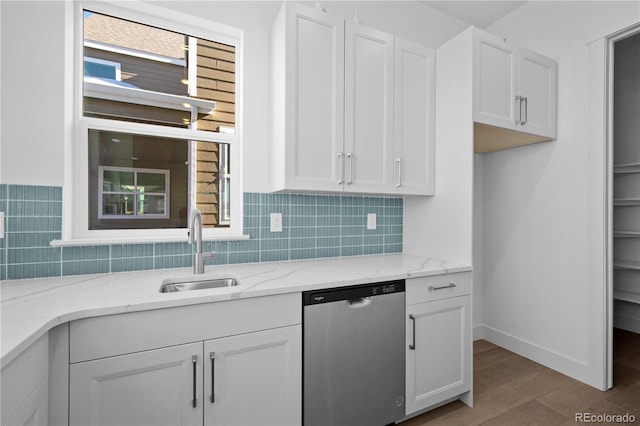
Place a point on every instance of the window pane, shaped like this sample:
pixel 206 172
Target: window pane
pixel 148 182
pixel 151 204
pixel 117 181
pixel 151 182
pixel 117 204
pixel 94 69
pixel 166 78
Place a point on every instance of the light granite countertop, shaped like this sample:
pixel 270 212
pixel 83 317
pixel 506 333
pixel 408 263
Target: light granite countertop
pixel 30 308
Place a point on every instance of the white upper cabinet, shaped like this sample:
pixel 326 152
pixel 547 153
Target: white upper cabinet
pixel 514 89
pixel 308 94
pixel 368 109
pixel 538 92
pixel 340 91
pixel 414 119
pixel 495 81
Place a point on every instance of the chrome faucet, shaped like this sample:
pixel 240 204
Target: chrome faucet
pixel 195 235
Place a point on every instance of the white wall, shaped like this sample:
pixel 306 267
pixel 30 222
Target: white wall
pixel 32 76
pixel 537 201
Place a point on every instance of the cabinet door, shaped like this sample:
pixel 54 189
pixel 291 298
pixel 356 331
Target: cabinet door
pixel 314 99
pixel 368 109
pixel 414 118
pixel 538 88
pixel 254 378
pixel 34 410
pixel 155 387
pixel 495 82
pixel 439 365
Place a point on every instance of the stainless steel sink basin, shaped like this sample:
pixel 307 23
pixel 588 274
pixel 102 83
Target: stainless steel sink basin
pixel 187 284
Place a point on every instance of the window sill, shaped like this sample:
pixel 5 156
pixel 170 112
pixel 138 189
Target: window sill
pixel 143 240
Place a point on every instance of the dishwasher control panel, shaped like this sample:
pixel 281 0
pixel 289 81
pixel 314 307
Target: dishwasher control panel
pixel 327 295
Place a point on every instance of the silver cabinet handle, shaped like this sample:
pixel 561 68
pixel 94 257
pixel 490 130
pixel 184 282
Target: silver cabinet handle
pixel 341 162
pixel 399 163
pixel 519 106
pixel 526 110
pixel 212 356
pixel 412 346
pixel 432 288
pixel 350 157
pixel 194 361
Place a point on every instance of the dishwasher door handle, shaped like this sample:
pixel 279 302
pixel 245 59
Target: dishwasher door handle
pixel 361 302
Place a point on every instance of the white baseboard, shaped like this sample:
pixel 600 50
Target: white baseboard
pixel 627 323
pixel 478 332
pixel 568 366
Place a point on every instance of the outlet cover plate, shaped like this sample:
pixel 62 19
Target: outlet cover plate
pixel 276 222
pixel 371 221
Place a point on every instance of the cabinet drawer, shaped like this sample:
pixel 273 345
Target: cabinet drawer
pixel 110 335
pixel 436 287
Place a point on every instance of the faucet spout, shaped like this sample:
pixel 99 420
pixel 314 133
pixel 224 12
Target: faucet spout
pixel 195 236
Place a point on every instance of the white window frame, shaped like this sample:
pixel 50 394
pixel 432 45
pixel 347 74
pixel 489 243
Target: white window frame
pixel 76 190
pixel 135 193
pixel 116 65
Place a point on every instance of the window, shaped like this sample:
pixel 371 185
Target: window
pixel 127 193
pixel 157 128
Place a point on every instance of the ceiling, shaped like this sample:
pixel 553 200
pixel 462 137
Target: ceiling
pixel 479 13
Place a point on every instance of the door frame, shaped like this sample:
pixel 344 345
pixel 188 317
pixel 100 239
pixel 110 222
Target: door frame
pixel 601 54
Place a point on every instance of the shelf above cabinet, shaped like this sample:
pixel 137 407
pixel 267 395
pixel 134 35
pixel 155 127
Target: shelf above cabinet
pixel 490 138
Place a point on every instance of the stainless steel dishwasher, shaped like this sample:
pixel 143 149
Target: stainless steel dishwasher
pixel 354 355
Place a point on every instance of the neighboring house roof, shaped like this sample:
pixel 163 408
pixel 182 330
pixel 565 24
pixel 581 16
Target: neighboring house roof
pixel 118 32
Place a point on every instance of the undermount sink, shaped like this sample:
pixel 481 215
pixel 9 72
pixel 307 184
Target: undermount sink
pixel 187 284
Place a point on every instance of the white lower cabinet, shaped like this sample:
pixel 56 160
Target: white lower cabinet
pixel 235 362
pixel 439 344
pixel 24 387
pixel 151 387
pixel 255 378
pixel 34 410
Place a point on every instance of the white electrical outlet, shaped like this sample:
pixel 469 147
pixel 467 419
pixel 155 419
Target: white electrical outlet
pixel 276 222
pixel 371 221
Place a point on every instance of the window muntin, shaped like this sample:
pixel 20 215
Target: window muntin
pixel 224 135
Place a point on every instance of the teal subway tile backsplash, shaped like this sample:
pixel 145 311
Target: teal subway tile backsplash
pixel 313 226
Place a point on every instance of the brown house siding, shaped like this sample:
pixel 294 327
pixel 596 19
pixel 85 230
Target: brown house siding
pixel 144 73
pixel 216 81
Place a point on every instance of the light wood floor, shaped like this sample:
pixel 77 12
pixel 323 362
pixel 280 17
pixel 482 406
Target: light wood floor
pixel 511 390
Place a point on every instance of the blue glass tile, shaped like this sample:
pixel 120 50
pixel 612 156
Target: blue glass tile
pixel 328 252
pixel 351 251
pixel 274 255
pixel 244 257
pixel 173 261
pixel 78 267
pixel 308 253
pixel 3 191
pixel 131 264
pixel 373 249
